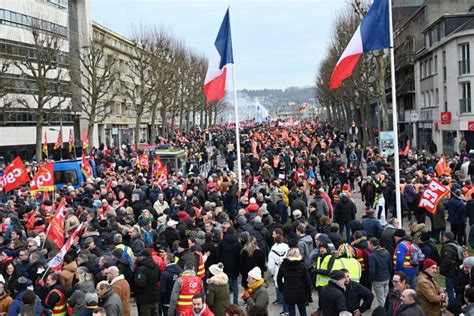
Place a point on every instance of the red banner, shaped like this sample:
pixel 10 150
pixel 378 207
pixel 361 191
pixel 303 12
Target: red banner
pixel 86 168
pixel 157 167
pixel 143 162
pixel 43 179
pixel 71 141
pixel 445 117
pixel 15 175
pixel 85 140
pixel 56 227
pixel 432 195
pixel 55 263
pixel 45 145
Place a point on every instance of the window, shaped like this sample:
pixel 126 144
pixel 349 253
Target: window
pixel 464 60
pixel 66 176
pixel 435 65
pixel 465 101
pixel 436 97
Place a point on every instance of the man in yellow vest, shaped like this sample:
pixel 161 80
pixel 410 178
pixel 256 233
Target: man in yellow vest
pixel 185 287
pixel 345 260
pixel 56 299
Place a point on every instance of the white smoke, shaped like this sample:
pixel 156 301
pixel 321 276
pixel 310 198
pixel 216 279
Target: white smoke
pixel 249 109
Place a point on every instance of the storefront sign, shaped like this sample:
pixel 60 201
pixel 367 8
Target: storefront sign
pixel 470 126
pixel 445 117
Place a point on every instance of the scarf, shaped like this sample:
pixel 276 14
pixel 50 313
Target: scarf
pixel 255 285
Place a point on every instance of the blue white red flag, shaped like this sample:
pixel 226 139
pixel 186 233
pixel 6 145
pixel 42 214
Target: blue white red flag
pixel 372 34
pixel 214 84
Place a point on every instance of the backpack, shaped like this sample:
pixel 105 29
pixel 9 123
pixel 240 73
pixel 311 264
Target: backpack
pixel 416 255
pixel 148 235
pixel 127 256
pixel 460 253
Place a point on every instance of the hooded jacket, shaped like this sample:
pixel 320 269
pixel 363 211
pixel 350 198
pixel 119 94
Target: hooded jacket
pixel 228 252
pixel 380 265
pixel 345 210
pixel 112 303
pixel 77 300
pixel 122 288
pixel 167 279
pixel 146 277
pixel 218 293
pixel 305 246
pixel 275 258
pixel 294 282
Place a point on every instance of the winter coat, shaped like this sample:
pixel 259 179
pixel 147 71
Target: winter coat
pixel 228 252
pixel 247 263
pixel 259 297
pixel 449 260
pixel 372 227
pixel 439 218
pixel 112 303
pixel 17 304
pixel 332 299
pixel 380 265
pixel 261 234
pixel 77 300
pixel 122 289
pixel 411 310
pixel 345 210
pixel 218 293
pixel 355 293
pixel 171 235
pixel 386 239
pixel 305 246
pixel 187 256
pixel 299 204
pixel 167 279
pixel 66 275
pixel 137 244
pixel 146 277
pixel 5 301
pixel 294 282
pixel 428 294
pixel 456 211
pixel 275 258
pixel 321 206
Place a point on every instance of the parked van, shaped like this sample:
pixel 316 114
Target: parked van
pixel 69 172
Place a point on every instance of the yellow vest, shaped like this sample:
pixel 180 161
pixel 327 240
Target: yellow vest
pixel 322 280
pixel 350 264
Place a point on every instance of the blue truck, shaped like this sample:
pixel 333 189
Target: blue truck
pixel 69 172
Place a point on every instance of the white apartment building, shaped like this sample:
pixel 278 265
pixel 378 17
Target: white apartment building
pixel 444 79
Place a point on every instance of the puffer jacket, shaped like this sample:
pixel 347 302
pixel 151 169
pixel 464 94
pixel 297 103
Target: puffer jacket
pixel 218 293
pixel 345 210
pixel 275 258
pixel 259 297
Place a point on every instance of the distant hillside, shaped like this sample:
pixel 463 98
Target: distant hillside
pixel 276 99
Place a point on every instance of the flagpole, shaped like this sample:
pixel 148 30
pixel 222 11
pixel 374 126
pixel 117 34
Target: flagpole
pixel 398 201
pixel 237 130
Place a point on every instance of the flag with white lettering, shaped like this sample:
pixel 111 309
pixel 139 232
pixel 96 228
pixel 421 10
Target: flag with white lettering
pixel 433 194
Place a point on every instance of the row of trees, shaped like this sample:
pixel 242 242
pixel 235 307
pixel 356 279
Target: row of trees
pixel 351 102
pixel 161 79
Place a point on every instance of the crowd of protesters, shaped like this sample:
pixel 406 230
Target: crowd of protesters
pixel 201 244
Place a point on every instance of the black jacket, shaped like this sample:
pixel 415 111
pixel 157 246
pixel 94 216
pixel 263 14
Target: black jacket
pixel 228 252
pixel 387 241
pixel 170 234
pixel 167 279
pixel 449 261
pixel 187 256
pixel 411 310
pixel 247 263
pixel 332 299
pixel 345 210
pixel 146 278
pixel 355 292
pixel 294 282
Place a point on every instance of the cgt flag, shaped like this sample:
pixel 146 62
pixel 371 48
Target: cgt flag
pixel 71 141
pixel 85 140
pixel 15 175
pixel 214 84
pixel 55 263
pixel 56 227
pixel 43 179
pixel 45 145
pixel 434 193
pixel 59 141
pixel 372 34
pixel 86 168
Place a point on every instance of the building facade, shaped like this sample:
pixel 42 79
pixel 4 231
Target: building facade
pixel 444 77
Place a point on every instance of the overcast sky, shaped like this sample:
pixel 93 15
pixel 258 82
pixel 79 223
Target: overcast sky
pixel 277 44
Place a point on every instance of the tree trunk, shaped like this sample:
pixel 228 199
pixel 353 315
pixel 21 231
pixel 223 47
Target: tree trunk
pixel 153 125
pixel 181 114
pixel 137 129
pixel 163 120
pixel 381 90
pixel 201 117
pixel 194 118
pixel 90 131
pixel 39 136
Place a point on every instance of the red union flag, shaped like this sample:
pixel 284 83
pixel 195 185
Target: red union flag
pixel 143 162
pixel 56 227
pixel 85 140
pixel 432 195
pixel 59 141
pixel 71 141
pixel 86 167
pixel 15 175
pixel 158 167
pixel 55 263
pixel 43 179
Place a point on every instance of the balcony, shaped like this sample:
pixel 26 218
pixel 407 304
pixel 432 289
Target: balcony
pixel 465 105
pixel 464 67
pixel 403 60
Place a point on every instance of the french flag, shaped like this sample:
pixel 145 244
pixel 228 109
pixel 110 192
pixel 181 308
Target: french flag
pixel 214 84
pixel 372 34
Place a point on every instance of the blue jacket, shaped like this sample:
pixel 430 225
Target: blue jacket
pixel 372 227
pixel 456 211
pixel 380 265
pixel 17 304
pixel 400 251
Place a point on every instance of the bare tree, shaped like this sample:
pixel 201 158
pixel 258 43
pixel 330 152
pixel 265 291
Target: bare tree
pixel 46 75
pixel 138 84
pixel 98 74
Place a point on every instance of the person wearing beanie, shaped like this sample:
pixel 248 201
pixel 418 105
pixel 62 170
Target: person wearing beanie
pixel 332 299
pixel 402 257
pixel 465 278
pixel 92 303
pixel 430 294
pixel 217 289
pixel 256 293
pixel 452 256
pixel 427 247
